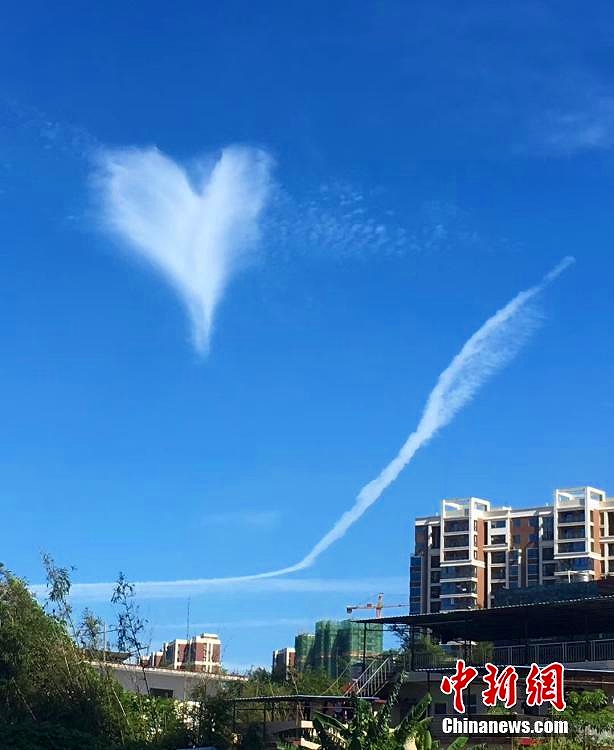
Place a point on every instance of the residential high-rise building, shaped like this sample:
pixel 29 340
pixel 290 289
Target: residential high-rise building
pixel 202 653
pixel 471 549
pixel 303 647
pixel 283 662
pixel 338 647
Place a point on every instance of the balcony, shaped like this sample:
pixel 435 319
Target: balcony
pixel 459 587
pixel 497 540
pixel 456 556
pixel 455 542
pixel 464 572
pixel 581 564
pixel 571 533
pixel 455 527
pixel 565 548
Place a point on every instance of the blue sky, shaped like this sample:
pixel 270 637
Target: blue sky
pixel 424 165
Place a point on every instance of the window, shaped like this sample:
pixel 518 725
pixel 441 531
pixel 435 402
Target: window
pixel 499 523
pixel 475 525
pixel 460 555
pixel 533 537
pixel 534 522
pixel 517 523
pixel 572 547
pixel 497 539
pixel 497 557
pixel 516 538
pixel 456 526
pixel 458 571
pixel 475 540
pixel 475 554
pixel 459 587
pixel 160 693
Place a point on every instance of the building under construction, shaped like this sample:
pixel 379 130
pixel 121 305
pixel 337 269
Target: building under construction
pixel 338 647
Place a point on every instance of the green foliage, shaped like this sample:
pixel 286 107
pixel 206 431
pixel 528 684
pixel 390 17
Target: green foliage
pixel 422 645
pixel 482 652
pixel 212 720
pixel 49 736
pixel 52 698
pixel 43 676
pixel 370 730
pixel 587 713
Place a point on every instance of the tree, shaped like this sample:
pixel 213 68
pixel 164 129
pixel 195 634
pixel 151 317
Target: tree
pixel 421 645
pixel 44 678
pixel 370 730
pixel 587 713
pixel 482 652
pixel 212 721
pixel 130 626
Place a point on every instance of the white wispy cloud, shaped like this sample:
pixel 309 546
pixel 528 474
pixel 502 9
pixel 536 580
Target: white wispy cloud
pixel 297 622
pixel 181 589
pixel 486 352
pixel 338 221
pixel 261 519
pixel 589 126
pixel 197 233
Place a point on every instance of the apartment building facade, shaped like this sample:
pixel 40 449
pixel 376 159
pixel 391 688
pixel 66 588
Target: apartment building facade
pixel 337 647
pixel 284 660
pixel 201 653
pixel 471 549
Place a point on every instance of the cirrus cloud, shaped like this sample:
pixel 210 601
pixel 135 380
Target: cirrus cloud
pixel 196 233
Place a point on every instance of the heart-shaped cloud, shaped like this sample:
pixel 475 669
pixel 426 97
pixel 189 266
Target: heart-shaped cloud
pixel 196 235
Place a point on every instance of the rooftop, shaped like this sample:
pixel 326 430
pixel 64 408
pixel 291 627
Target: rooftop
pixel 565 619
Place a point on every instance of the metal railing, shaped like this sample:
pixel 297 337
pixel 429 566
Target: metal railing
pixel 567 652
pixel 383 670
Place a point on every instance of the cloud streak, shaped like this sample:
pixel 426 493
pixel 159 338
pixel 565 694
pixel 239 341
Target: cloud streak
pixel 486 352
pixel 197 234
pixel 252 584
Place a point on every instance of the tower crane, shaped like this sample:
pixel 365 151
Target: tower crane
pixel 369 605
pixel 378 606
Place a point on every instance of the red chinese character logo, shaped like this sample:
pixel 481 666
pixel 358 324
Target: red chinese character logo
pixel 463 676
pixel 500 687
pixel 546 686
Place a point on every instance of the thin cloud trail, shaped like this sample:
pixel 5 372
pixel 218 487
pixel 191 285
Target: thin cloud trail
pixel 487 351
